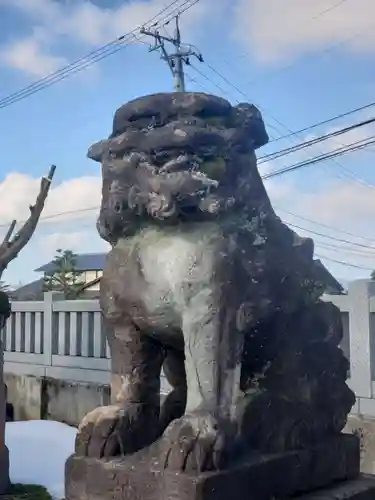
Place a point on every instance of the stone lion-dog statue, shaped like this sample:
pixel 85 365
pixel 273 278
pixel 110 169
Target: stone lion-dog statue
pixel 206 283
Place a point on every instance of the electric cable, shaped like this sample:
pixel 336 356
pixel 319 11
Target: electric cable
pixel 347 172
pixel 312 221
pixel 343 263
pixel 323 157
pixel 94 56
pixel 303 145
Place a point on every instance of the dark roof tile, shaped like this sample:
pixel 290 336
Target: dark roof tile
pixel 84 262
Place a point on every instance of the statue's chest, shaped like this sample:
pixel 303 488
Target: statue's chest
pixel 175 267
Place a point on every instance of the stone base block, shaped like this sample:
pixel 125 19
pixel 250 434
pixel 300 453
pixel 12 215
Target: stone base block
pixel 259 477
pixel 362 488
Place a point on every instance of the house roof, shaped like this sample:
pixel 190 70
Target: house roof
pixel 35 291
pixel 332 286
pixel 30 291
pixel 84 262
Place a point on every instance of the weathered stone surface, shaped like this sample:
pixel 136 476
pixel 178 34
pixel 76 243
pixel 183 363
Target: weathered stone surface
pixel 362 488
pixel 259 477
pixel 205 280
pixel 4 453
pixel 293 400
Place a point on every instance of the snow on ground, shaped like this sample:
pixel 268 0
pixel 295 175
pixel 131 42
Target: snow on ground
pixel 38 450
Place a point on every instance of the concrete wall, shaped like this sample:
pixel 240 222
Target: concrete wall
pixel 365 429
pixel 47 398
pixel 24 393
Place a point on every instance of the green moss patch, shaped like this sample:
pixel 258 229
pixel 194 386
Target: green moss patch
pixel 26 492
pixel 214 169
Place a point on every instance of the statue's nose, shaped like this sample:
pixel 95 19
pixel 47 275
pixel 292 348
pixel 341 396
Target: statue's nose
pixel 95 152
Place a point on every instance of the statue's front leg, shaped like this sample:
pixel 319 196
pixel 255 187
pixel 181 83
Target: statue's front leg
pixel 202 438
pixel 131 422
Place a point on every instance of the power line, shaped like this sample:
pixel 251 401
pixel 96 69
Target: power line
pixel 341 240
pixel 225 92
pixel 306 219
pixel 318 15
pixel 328 9
pixel 244 94
pixel 347 172
pixel 337 248
pixel 95 56
pixel 340 249
pixel 347 264
pixel 225 79
pixel 66 72
pixel 323 157
pixel 326 122
pixel 306 58
pixel 193 80
pixel 56 215
pixel 177 59
pixel 211 81
pixel 316 140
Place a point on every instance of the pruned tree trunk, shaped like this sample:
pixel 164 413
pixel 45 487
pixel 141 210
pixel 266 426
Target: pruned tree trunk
pixel 10 247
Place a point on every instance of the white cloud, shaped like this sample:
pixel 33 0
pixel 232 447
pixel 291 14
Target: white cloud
pixel 81 21
pixel 84 241
pixel 29 55
pixel 72 241
pixel 18 191
pixel 342 209
pixel 274 30
pixel 344 204
pixel 75 231
pixel 330 200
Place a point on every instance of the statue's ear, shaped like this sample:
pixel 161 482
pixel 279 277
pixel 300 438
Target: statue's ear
pixel 249 117
pixel 96 151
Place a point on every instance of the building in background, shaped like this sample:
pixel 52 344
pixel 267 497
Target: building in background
pixel 89 264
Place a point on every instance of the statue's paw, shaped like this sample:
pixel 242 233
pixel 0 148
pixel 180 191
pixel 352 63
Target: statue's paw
pixel 193 443
pixel 108 431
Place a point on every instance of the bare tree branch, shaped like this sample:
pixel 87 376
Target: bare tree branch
pixel 9 249
pixel 7 237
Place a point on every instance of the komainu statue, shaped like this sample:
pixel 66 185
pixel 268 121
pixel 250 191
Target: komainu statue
pixel 205 283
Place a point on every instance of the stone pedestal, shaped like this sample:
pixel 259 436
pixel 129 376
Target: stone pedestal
pixel 362 488
pixel 259 477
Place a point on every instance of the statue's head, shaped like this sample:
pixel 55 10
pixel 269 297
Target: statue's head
pixel 177 155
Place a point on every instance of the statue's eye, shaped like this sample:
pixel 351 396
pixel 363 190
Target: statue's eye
pixel 117 207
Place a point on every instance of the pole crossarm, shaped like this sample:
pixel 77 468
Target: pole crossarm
pixel 176 59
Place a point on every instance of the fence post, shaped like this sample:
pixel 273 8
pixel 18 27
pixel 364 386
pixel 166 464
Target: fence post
pixel 49 298
pixel 360 337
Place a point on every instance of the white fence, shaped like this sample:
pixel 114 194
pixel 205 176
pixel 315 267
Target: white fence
pixel 57 338
pixel 66 340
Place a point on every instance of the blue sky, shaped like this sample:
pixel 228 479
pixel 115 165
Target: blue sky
pixel 301 64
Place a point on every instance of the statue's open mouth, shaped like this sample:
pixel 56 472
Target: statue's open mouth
pixel 163 189
pixel 165 178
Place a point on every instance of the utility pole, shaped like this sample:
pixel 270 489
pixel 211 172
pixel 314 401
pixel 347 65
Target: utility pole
pixel 178 58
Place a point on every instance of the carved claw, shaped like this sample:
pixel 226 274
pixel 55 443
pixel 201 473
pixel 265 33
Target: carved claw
pixel 113 430
pixel 194 443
